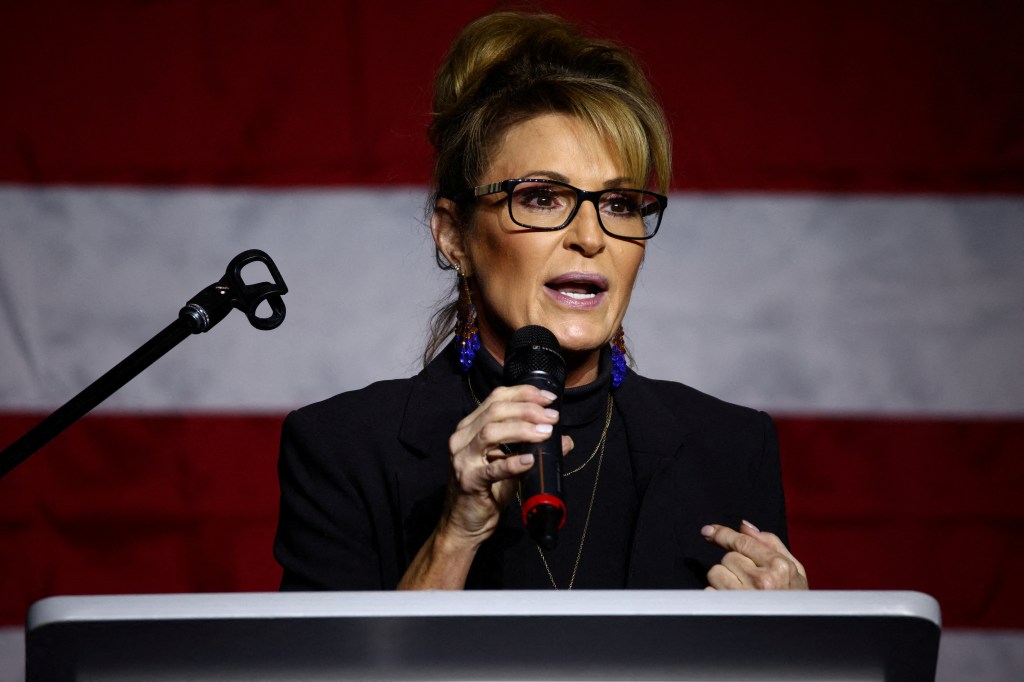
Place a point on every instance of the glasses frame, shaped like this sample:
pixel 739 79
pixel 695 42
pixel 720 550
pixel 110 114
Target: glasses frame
pixel 582 195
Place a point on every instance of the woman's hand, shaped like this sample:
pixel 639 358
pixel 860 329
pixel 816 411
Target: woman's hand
pixel 483 475
pixel 482 481
pixel 756 560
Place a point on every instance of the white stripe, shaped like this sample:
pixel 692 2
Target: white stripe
pixel 794 303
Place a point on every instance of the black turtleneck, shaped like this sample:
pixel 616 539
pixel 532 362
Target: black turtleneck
pixel 510 559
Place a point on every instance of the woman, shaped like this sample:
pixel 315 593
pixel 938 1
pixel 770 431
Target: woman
pixel 547 141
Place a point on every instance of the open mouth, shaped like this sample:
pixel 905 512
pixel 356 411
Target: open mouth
pixel 578 287
pixel 577 292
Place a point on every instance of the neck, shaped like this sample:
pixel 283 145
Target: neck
pixel 581 368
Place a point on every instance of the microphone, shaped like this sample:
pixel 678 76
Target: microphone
pixel 534 357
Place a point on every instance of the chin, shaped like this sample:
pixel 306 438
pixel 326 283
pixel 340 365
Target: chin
pixel 575 340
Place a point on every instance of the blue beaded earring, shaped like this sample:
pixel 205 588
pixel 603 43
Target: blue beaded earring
pixel 466 333
pixel 618 358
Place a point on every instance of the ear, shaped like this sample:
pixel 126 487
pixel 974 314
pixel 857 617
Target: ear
pixel 448 237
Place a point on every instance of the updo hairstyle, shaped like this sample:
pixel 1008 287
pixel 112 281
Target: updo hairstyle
pixel 508 67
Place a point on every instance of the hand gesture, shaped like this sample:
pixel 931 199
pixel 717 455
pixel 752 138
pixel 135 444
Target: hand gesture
pixel 756 560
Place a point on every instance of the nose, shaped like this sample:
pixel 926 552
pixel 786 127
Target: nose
pixel 584 233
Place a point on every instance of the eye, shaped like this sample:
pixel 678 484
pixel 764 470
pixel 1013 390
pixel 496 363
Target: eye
pixel 540 197
pixel 621 204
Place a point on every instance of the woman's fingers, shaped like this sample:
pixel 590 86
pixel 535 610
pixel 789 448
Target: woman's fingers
pixel 567 445
pixel 735 541
pixel 773 541
pixel 756 560
pixel 522 393
pixel 502 469
pixel 483 470
pixel 509 415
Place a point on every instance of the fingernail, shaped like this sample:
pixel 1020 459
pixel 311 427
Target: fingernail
pixel 545 428
pixel 708 532
pixel 550 414
pixel 525 459
pixel 751 526
pixel 548 394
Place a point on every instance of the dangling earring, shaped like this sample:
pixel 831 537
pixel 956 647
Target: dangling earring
pixel 465 324
pixel 618 358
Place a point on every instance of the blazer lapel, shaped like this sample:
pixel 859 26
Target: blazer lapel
pixel 654 433
pixel 432 412
pixel 656 439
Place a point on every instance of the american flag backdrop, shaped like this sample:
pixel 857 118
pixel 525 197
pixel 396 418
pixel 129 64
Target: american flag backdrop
pixel 844 248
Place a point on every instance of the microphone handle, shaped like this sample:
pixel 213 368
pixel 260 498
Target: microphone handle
pixel 541 486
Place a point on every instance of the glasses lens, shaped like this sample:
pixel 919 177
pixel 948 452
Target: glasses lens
pixel 630 213
pixel 542 204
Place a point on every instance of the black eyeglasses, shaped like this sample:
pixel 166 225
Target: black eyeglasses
pixel 540 204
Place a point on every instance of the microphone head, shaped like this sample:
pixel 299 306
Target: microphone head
pixel 533 349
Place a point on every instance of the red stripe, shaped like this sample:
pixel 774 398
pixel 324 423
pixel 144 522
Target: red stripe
pixel 127 504
pixel 867 96
pixel 930 505
pixel 138 504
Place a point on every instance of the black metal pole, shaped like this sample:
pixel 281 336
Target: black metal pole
pixel 94 394
pixel 200 314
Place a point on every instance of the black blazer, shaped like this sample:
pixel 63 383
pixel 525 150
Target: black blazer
pixel 363 477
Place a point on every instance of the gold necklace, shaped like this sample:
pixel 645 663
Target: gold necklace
pixel 586 523
pixel 601 440
pixel 599 451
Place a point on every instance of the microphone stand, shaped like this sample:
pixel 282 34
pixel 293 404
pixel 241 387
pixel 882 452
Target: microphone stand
pixel 199 315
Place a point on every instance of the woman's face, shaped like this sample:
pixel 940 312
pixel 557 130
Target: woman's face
pixel 576 281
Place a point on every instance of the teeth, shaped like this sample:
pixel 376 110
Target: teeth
pixel 577 295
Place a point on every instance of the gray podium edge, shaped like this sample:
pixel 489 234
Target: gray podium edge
pixel 889 636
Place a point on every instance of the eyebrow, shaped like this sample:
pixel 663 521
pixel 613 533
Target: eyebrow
pixel 620 181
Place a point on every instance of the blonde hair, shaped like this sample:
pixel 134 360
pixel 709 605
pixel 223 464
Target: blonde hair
pixel 508 67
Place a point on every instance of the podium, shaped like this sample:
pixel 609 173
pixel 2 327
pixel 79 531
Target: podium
pixel 509 635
